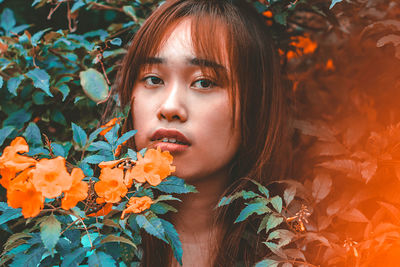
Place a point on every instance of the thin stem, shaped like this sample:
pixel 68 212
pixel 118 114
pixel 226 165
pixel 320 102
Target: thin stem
pixel 71 29
pixel 84 226
pixel 104 70
pixel 69 225
pixel 52 10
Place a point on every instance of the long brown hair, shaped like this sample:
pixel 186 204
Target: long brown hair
pixel 220 29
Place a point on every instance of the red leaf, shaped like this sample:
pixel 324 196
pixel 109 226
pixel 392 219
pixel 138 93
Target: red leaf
pixel 353 215
pixel 368 169
pixel 328 149
pixel 321 187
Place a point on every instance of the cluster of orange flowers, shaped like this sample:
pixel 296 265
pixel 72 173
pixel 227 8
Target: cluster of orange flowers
pixel 303 45
pixel 116 178
pixel 29 182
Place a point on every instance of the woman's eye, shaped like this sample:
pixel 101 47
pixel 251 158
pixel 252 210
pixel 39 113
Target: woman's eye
pixel 152 80
pixel 204 84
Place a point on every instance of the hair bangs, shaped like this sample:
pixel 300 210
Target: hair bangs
pixel 211 41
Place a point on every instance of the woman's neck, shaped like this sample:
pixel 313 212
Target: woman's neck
pixel 194 220
pixel 196 212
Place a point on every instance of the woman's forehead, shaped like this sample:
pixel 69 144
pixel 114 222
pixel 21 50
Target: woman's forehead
pixel 177 39
pixel 192 38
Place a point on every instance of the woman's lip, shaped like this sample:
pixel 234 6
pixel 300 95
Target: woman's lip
pixel 171 147
pixel 170 133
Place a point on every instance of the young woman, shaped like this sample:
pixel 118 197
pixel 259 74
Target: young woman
pixel 203 81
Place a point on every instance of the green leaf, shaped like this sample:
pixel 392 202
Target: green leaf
pixel 281 18
pixel 86 169
pixel 94 85
pixel 78 98
pixel 31 259
pixel 94 135
pixel 132 154
pixel 74 258
pixel 284 237
pixel 130 11
pixel 175 185
pixel 99 259
pixel 78 4
pixel 9 214
pixel 36 37
pixel 261 188
pixel 173 239
pixel 32 134
pixel 58 117
pixel 39 98
pixel 20 28
pixel 99 145
pixel 153 226
pixel 1 81
pixel 267 263
pixel 96 159
pixel 64 89
pixel 257 207
pixel 276 202
pixel 50 230
pixel 120 239
pixel 226 200
pixel 334 2
pixel 5 132
pixel 35 2
pixel 13 83
pixel 59 150
pixel 125 137
pixel 14 239
pixel 273 221
pixel 79 135
pixel 166 197
pixel 116 41
pixel 260 7
pixel 19 247
pixel 162 208
pixel 41 80
pixel 7 19
pixel 18 118
pixel 112 135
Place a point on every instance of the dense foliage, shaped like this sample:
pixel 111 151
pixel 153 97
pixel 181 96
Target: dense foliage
pixel 339 207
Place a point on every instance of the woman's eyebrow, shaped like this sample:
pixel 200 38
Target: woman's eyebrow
pixel 153 60
pixel 191 61
pixel 205 63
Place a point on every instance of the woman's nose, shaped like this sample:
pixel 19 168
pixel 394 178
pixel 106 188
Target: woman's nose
pixel 173 106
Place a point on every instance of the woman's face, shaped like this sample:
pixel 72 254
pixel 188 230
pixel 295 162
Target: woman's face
pixel 180 109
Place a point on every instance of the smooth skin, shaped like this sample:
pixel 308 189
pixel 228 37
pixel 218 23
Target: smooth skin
pixel 172 92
